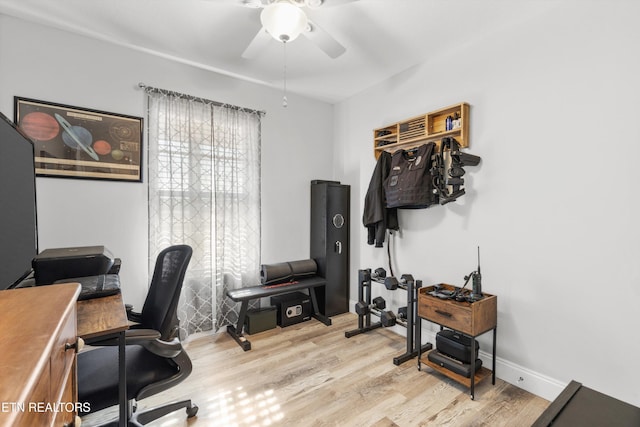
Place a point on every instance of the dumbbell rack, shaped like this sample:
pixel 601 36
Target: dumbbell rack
pixel 414 335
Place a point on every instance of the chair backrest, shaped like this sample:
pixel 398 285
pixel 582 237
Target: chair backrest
pixel 159 311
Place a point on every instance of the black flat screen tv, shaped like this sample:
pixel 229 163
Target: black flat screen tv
pixel 18 218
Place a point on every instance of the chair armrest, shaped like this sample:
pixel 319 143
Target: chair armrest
pixel 131 336
pixel 133 316
pixel 161 348
pixel 140 336
pixel 149 339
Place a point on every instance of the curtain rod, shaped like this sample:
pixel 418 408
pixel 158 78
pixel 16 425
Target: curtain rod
pixel 151 89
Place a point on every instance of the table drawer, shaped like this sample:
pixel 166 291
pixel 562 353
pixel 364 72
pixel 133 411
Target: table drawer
pixel 471 318
pixel 62 357
pixel 446 314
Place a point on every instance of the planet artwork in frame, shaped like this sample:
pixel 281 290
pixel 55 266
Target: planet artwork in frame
pixel 75 142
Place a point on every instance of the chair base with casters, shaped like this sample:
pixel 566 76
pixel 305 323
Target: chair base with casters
pixel 98 377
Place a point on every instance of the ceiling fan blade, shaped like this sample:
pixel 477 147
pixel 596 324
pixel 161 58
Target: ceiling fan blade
pixel 330 3
pixel 257 44
pixel 255 4
pixel 324 41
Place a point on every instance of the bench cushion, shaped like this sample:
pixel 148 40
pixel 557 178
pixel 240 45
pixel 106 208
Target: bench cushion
pixel 255 292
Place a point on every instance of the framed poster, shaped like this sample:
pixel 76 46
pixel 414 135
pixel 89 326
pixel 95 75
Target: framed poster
pixel 76 142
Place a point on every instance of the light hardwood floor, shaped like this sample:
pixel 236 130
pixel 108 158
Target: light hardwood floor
pixel 311 375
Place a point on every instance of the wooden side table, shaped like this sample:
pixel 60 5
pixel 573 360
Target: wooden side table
pixel 471 319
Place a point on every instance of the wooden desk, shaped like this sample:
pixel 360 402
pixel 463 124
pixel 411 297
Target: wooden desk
pixel 37 361
pixel 99 317
pixel 103 318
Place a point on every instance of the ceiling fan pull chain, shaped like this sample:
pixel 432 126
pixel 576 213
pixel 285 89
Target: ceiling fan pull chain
pixel 284 97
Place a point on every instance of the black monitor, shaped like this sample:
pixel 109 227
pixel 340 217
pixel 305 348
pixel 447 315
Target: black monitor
pixel 18 219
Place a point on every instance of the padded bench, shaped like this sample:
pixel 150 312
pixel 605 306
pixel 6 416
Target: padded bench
pixel 244 295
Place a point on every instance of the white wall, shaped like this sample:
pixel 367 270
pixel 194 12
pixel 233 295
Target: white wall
pixel 553 204
pixel 50 65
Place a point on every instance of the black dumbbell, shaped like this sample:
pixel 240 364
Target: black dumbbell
pixel 391 283
pixel 402 312
pixel 387 318
pixel 406 278
pixel 379 273
pixel 378 303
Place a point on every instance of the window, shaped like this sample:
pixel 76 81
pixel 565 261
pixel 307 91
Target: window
pixel 204 191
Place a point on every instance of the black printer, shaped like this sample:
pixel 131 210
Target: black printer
pixel 51 265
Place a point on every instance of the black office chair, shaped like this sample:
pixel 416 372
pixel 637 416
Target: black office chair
pixel 155 358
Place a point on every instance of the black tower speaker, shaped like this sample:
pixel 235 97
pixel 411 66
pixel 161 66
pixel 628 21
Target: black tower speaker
pixel 330 202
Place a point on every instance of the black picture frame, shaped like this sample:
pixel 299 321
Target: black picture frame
pixel 76 142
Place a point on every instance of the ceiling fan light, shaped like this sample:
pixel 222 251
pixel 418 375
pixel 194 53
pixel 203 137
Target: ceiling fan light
pixel 283 20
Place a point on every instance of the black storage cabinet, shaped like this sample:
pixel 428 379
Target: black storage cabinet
pixel 330 203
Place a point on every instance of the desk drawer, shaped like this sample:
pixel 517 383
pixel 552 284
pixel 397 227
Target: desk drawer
pixel 445 313
pixel 62 357
pixel 34 413
pixel 66 414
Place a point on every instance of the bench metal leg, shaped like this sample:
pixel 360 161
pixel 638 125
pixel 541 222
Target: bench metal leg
pixel 316 313
pixel 236 331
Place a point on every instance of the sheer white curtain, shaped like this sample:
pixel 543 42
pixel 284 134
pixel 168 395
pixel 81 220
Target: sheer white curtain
pixel 204 191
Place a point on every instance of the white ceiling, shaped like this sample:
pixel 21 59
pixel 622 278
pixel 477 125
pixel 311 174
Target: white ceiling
pixel 381 37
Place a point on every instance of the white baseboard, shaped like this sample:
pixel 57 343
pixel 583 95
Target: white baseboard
pixel 524 378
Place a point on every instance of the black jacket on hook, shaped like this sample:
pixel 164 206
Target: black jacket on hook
pixel 377 218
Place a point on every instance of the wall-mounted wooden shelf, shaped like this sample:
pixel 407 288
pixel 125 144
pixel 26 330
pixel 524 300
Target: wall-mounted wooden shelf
pixel 421 129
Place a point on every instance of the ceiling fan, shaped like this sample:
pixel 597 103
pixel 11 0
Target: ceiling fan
pixel 284 20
